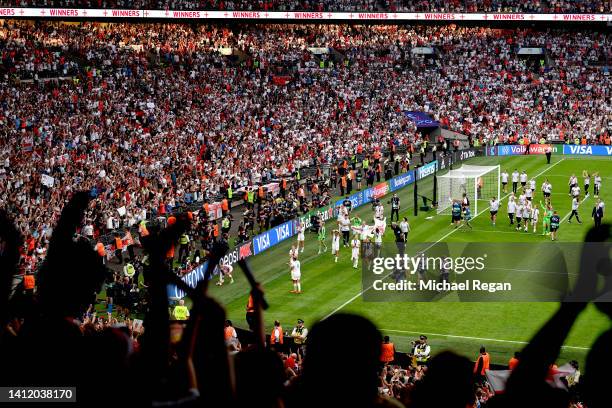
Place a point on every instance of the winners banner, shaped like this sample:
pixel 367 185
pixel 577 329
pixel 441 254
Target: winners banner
pixel 116 14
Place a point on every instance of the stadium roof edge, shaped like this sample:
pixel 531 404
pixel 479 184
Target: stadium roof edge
pixel 295 16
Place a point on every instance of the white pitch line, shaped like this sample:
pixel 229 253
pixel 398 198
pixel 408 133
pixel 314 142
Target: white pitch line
pixel 474 338
pixel 336 310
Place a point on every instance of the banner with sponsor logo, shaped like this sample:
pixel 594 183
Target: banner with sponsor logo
pixel 272 237
pixel 541 148
pixel 401 181
pixel 465 154
pixel 426 170
pixel 191 279
pixel 326 213
pixel 571 149
pixel 194 277
pixel 242 251
pixel 587 150
pixel 357 199
pixel 510 150
pixel 16 12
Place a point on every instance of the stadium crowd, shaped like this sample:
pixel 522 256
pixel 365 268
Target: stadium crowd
pixel 460 6
pixel 152 117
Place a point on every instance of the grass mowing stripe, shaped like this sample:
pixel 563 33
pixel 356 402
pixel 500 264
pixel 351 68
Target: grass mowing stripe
pixel 474 338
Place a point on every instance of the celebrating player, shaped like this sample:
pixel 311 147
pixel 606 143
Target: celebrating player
pixel 535 214
pixel 293 252
pixel 548 212
pixel 526 215
pixel 493 208
pixel 504 181
pixel 301 229
pixel 355 246
pixel 321 237
pixel 596 184
pixel 519 214
pixel 523 178
pixel 511 209
pixel 546 189
pixel 515 179
pixel 335 245
pixel 575 205
pixel 573 182
pixel 225 271
pixel 587 182
pixel 296 275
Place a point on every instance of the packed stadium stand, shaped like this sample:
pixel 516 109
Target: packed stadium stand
pixel 155 119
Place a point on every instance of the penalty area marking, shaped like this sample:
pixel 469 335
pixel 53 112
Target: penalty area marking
pixel 474 338
pixel 361 292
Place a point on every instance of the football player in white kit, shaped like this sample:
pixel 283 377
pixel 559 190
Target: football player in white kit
pixel 535 215
pixel 504 181
pixel 225 271
pixel 493 209
pixel 355 246
pixel 526 214
pixel 296 275
pixel 596 184
pixel 379 211
pixel 511 209
pixel 335 245
pixel 301 229
pixel 293 252
pixel 519 214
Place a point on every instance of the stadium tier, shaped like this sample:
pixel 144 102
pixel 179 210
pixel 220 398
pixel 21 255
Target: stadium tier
pixel 163 183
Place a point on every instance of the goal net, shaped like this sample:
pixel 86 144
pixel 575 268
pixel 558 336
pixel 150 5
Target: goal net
pixel 478 183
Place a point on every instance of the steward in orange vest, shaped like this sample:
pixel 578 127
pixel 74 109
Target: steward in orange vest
pixel 482 364
pixel 387 354
pixel 250 313
pixel 276 337
pixel 224 206
pixel 514 361
pixel 28 282
pixel 119 248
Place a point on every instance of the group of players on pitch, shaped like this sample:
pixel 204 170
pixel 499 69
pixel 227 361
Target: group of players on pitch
pixel 362 233
pixel 522 211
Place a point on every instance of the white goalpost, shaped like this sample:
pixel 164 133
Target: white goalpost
pixel 478 183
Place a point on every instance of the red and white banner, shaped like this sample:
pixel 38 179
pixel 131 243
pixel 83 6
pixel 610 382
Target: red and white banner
pixel 16 12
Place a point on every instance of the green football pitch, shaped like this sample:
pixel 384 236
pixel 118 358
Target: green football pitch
pixel 503 327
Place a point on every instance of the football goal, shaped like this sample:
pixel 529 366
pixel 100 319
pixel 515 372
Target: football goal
pixel 478 183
